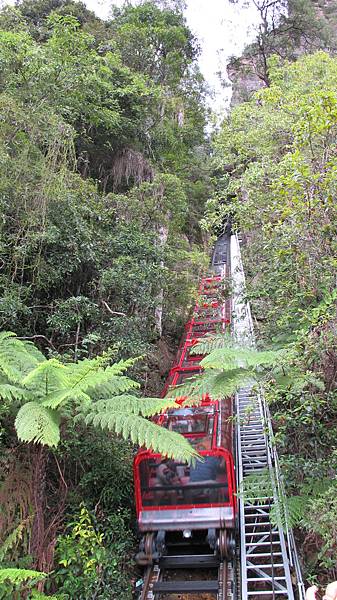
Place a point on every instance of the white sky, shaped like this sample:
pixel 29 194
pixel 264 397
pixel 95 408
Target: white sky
pixel 222 28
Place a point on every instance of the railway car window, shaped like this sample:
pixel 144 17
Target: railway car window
pixel 169 483
pixel 191 421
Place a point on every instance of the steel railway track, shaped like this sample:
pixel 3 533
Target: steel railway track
pixel 201 576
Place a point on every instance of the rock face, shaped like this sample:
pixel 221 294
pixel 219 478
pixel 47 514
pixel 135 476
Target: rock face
pixel 309 25
pixel 242 73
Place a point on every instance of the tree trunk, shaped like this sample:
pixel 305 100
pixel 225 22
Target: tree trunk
pixel 39 460
pixel 158 312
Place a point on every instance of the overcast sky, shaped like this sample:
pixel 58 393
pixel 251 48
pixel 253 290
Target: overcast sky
pixel 222 28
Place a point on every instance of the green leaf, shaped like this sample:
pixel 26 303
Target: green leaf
pixel 218 384
pixel 38 424
pixel 12 539
pixel 18 576
pixel 144 433
pixel 132 405
pixel 56 399
pixel 229 358
pixel 16 357
pixel 9 392
pixel 51 375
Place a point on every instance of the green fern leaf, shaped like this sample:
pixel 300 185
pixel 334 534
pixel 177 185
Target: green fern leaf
pixel 38 424
pixel 212 342
pixel 16 357
pixel 47 377
pixel 144 433
pixel 289 512
pixel 33 351
pixel 9 392
pixel 56 399
pixel 256 486
pixel 18 576
pixel 114 386
pixel 230 358
pixel 218 384
pixel 132 405
pixel 12 539
pixel 88 374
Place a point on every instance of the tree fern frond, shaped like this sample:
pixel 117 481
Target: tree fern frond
pixel 115 385
pixel 16 359
pixel 48 376
pixel 224 384
pixel 36 423
pixel 56 399
pixel 12 539
pixel 212 342
pixel 33 351
pixel 9 392
pixel 256 487
pixel 145 433
pixel 122 365
pixel 90 375
pixel 232 357
pixel 290 511
pixel 18 576
pixel 216 383
pixel 131 405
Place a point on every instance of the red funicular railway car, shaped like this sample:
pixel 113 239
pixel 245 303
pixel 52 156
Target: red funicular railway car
pixel 177 502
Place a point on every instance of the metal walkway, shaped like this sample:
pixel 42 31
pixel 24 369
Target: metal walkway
pixel 269 566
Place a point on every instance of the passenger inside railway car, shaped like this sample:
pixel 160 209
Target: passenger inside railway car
pixel 167 482
pixel 195 423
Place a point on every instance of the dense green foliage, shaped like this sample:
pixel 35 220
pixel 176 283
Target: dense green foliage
pixel 280 150
pixel 103 180
pixel 81 250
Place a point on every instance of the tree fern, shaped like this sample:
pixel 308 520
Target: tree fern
pixel 11 392
pixel 226 368
pixel 132 405
pixel 235 356
pixel 257 486
pixel 93 390
pixel 289 511
pixel 46 377
pixel 212 342
pixel 90 373
pixel 286 511
pixel 217 383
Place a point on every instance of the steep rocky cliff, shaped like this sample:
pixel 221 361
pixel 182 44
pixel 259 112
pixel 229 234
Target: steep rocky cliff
pixel 307 26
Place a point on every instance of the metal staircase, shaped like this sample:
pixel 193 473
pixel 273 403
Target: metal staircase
pixel 269 566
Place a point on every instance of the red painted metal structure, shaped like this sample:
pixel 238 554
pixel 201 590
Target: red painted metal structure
pixel 176 497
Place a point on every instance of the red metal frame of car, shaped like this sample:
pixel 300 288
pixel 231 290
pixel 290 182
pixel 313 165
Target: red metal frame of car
pixel 223 453
pixel 196 503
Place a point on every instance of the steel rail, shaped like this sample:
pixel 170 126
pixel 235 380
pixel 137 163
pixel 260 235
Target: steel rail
pixel 156 584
